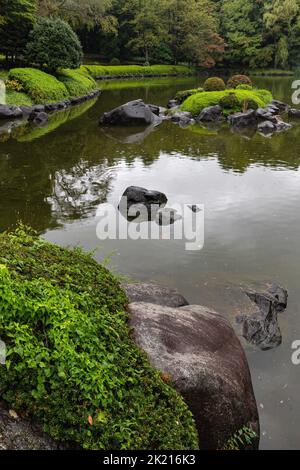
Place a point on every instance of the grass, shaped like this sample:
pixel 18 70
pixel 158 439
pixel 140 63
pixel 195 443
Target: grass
pixel 197 102
pixel 71 362
pixel 271 72
pixel 127 71
pixel 18 98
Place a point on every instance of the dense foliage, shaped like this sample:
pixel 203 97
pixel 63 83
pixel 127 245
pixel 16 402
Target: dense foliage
pixel 17 18
pixel 214 84
pixel 71 362
pixel 53 45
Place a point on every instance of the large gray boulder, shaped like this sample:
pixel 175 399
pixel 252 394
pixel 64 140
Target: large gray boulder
pixel 134 113
pixel 154 294
pixel 149 202
pixel 211 114
pixel 198 349
pixel 247 119
pixel 10 112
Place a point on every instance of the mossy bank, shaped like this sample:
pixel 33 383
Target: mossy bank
pixel 71 362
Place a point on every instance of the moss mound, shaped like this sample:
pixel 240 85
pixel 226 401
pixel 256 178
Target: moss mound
pixel 181 96
pixel 128 71
pixel 236 80
pixel 71 362
pixel 196 103
pixel 40 86
pixel 229 101
pixel 214 84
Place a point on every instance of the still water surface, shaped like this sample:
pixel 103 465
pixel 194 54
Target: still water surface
pixel 55 178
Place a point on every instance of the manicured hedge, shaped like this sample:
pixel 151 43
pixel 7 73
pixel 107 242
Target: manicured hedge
pixel 77 82
pixel 71 362
pixel 127 71
pixel 40 86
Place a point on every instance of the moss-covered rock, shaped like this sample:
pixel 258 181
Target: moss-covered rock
pixel 71 361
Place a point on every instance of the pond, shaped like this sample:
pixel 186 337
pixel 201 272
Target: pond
pixel 54 179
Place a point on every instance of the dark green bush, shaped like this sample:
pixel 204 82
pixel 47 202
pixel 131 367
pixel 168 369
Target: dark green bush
pixel 214 84
pixel 40 86
pixel 71 362
pixel 236 80
pixel 250 104
pixel 53 45
pixel 115 61
pixel 229 101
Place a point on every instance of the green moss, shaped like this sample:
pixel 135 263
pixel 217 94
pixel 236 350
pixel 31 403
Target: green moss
pixel 181 96
pixel 18 99
pixel 40 86
pixel 71 362
pixel 77 82
pixel 236 80
pixel 196 103
pixel 244 86
pixel 102 71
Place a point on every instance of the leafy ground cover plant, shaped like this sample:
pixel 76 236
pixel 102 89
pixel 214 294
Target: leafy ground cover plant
pixel 71 363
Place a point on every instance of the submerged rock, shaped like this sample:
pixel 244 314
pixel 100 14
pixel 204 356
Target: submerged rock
pixel 198 349
pixel 266 127
pixel 154 294
pixel 211 114
pixel 294 113
pixel 132 113
pixel 40 119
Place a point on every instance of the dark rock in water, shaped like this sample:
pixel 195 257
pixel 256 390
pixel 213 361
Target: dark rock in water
pixel 51 107
pixel 266 127
pixel 196 209
pixel 247 119
pixel 137 195
pixel 261 328
pixel 272 109
pixel 211 114
pixel 264 114
pixel 134 113
pixel 39 119
pixel 10 112
pixel 155 109
pixel 154 294
pixel 166 217
pixel 172 104
pixel 282 107
pixel 26 110
pixel 198 349
pixel 283 126
pixel 39 108
pixel 294 113
pixel 182 117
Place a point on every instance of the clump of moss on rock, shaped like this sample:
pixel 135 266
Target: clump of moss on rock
pixel 214 84
pixel 71 362
pixel 181 96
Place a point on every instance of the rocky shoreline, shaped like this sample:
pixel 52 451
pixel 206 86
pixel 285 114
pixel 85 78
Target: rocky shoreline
pixel 38 114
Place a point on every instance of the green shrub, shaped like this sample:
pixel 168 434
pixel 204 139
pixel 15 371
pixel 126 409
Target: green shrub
pixel 76 82
pixel 196 103
pixel 40 86
pixel 214 84
pixel 53 45
pixel 229 101
pixel 250 104
pixel 265 95
pixel 115 61
pixel 71 362
pixel 18 98
pixel 243 86
pixel 181 96
pixel 236 80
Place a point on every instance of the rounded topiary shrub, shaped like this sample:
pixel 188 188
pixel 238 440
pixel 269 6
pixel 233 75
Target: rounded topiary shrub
pixel 250 104
pixel 236 80
pixel 214 84
pixel 53 45
pixel 229 101
pixel 244 87
pixel 115 61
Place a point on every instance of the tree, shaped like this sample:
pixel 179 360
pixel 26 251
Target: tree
pixel 16 21
pixel 53 45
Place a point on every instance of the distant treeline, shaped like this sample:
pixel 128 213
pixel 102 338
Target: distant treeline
pixel 229 33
